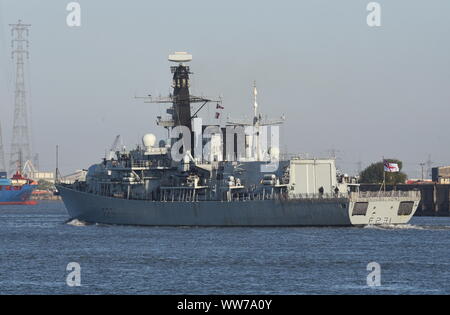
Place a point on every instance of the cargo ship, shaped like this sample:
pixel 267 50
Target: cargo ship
pixel 16 190
pixel 216 175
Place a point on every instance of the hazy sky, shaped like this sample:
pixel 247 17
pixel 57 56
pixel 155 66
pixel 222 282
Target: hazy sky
pixel 365 92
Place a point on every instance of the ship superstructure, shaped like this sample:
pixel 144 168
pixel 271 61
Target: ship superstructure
pixel 228 175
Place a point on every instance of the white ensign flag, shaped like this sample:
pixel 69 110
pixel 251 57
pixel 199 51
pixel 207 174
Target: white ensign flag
pixel 391 167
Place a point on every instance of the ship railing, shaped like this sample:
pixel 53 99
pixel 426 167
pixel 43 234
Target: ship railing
pixel 314 196
pixel 396 194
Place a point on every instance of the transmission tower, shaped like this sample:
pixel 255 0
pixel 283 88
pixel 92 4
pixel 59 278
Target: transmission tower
pixel 2 153
pixel 422 165
pixel 359 164
pixel 20 145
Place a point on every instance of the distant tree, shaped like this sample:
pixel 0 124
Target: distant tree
pixel 373 174
pixel 45 185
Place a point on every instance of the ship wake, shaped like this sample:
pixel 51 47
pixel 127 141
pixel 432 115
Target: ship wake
pixel 76 222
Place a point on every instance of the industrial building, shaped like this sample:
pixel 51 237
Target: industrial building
pixel 435 194
pixel 441 175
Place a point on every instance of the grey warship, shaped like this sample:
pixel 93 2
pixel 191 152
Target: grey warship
pixel 223 176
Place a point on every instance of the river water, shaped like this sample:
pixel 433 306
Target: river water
pixel 37 243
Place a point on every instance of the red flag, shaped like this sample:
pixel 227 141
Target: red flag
pixel 219 107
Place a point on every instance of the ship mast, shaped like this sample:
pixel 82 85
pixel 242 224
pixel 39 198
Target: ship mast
pixel 180 113
pixel 256 124
pixel 255 103
pixel 181 97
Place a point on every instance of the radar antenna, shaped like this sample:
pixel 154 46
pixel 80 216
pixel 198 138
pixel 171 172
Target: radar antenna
pixel 258 119
pixel 256 123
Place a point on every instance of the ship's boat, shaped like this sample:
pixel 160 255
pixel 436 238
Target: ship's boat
pixel 16 190
pixel 228 175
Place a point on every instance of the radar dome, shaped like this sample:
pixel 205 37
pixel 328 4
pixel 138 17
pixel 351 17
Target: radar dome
pixel 149 140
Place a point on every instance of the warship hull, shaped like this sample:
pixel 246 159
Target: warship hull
pixel 94 208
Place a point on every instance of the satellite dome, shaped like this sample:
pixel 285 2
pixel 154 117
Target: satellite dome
pixel 149 140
